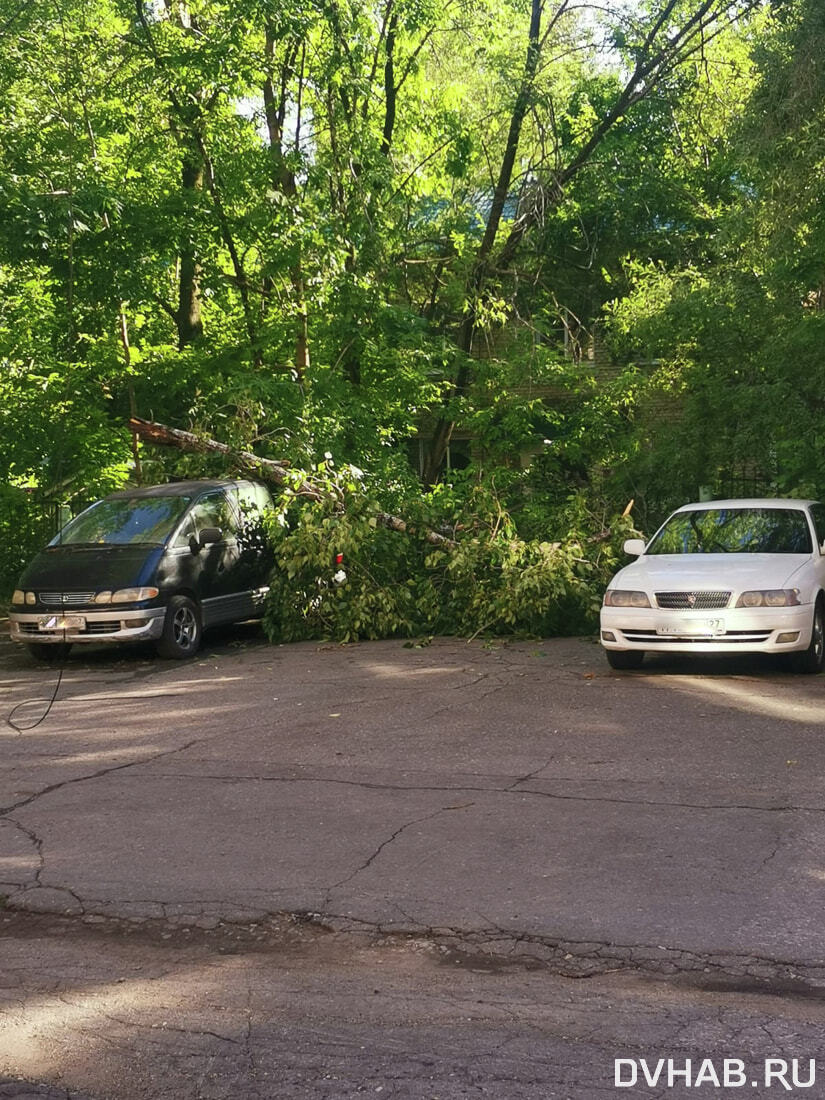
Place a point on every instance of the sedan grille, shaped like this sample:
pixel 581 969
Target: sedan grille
pixel 651 640
pixel 66 599
pixel 693 601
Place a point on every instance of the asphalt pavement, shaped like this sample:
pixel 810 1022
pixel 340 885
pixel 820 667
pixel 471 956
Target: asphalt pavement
pixel 428 870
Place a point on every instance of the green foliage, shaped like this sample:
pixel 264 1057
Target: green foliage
pixel 488 581
pixel 281 209
pixel 730 339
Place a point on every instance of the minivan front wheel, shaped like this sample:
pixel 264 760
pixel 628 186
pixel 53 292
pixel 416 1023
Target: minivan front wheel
pixel 181 635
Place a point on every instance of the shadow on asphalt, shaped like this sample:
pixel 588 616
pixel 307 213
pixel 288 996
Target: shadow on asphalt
pixel 752 664
pixel 217 641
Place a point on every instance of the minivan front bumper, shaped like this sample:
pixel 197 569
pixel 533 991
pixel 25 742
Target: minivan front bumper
pixel 111 625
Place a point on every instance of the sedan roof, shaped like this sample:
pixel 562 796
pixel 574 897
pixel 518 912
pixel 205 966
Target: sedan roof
pixel 748 502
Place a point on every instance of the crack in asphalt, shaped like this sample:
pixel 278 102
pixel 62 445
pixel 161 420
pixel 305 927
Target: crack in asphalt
pixel 512 787
pixel 13 807
pixel 35 841
pixel 385 843
pixel 492 950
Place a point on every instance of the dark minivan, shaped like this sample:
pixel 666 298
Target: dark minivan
pixel 160 563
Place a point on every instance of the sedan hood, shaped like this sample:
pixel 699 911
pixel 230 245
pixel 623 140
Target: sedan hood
pixel 737 572
pixel 91 568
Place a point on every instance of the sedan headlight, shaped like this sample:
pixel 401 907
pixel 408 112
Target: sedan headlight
pixel 126 595
pixel 617 597
pixel 769 597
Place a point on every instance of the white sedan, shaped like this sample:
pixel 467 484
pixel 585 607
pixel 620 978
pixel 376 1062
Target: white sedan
pixel 724 576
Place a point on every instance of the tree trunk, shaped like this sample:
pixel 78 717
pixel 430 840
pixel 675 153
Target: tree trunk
pixel 444 427
pixel 189 322
pixel 283 179
pixel 390 90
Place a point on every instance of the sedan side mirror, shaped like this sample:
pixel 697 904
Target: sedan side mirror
pixel 634 547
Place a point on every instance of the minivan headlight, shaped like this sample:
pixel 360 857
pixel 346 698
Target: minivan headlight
pixel 133 595
pixel 126 595
pixel 769 597
pixel 18 596
pixel 617 597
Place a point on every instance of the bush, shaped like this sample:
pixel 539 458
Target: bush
pixel 27 522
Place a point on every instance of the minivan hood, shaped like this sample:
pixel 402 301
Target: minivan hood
pixel 737 572
pixel 67 568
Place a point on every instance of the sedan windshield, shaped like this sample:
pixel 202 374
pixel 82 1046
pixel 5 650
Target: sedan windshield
pixel 125 522
pixel 734 531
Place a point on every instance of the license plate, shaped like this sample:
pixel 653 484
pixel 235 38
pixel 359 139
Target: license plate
pixel 61 622
pixel 702 627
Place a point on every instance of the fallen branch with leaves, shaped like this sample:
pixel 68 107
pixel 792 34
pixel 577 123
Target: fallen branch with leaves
pixel 268 469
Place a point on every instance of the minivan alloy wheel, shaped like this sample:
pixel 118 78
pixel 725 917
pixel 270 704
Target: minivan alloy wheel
pixel 185 627
pixel 181 629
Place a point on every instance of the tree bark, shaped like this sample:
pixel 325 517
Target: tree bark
pixel 390 90
pixel 283 179
pixel 188 318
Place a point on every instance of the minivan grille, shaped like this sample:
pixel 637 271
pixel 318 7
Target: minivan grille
pixel 66 599
pixel 692 601
pixel 103 626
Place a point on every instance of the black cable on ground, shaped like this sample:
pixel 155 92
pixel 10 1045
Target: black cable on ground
pixel 30 702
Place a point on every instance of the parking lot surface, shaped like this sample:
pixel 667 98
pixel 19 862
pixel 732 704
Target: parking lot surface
pixel 432 870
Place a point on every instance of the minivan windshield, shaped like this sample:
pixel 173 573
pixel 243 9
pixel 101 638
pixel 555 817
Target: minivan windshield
pixel 734 531
pixel 127 521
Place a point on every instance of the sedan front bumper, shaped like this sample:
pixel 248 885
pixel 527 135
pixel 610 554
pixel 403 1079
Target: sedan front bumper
pixel 728 630
pixel 111 625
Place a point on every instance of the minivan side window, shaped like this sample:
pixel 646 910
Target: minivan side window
pixel 213 510
pixel 254 500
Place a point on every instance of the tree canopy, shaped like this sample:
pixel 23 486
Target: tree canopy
pixel 534 254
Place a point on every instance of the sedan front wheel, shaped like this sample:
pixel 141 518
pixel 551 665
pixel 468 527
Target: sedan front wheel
pixel 812 659
pixel 624 659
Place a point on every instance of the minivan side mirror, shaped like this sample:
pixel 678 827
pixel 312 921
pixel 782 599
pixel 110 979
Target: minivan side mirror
pixel 634 547
pixel 206 536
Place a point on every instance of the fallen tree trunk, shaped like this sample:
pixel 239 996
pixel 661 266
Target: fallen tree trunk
pixel 268 469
